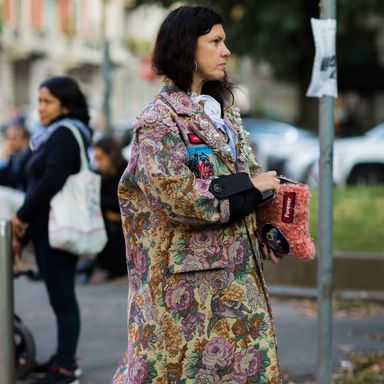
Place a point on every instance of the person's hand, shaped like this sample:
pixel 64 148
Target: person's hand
pixel 268 254
pixel 265 181
pixel 17 248
pixel 18 227
pixel 6 151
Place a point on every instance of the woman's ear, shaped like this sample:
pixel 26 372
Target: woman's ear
pixel 65 110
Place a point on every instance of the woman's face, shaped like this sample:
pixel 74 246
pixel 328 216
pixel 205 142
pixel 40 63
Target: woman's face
pixel 49 107
pixel 16 141
pixel 102 161
pixel 211 55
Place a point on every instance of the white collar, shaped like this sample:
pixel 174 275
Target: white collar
pixel 211 107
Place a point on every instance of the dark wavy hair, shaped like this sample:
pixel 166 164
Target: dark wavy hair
pixel 70 95
pixel 175 49
pixel 112 148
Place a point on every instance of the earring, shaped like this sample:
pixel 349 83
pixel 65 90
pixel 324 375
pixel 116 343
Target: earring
pixel 195 65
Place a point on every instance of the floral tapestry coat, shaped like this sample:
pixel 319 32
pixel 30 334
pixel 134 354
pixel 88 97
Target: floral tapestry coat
pixel 198 310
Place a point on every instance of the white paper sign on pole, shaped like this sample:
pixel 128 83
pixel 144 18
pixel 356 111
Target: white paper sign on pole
pixel 324 75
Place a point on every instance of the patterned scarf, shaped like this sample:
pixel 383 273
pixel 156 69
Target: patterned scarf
pixel 44 133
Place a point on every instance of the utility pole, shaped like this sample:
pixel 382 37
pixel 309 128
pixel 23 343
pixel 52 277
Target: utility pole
pixel 325 251
pixel 7 342
pixel 106 72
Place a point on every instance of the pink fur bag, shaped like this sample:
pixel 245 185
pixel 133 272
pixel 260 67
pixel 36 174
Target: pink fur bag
pixel 283 223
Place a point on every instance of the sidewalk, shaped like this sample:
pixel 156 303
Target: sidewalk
pixel 103 337
pixel 347 272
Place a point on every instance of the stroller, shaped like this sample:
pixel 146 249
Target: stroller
pixel 25 348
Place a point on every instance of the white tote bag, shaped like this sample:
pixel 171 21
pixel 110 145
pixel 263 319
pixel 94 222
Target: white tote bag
pixel 75 220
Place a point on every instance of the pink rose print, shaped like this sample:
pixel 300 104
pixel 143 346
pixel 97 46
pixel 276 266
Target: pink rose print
pixel 134 158
pixel 197 278
pixel 205 246
pixel 138 370
pixel 218 353
pixel 203 240
pixel 140 262
pixel 206 377
pixel 220 279
pixel 206 251
pixel 247 363
pixel 235 251
pixel 192 263
pixel 181 101
pixel 233 379
pixel 148 147
pixel 179 297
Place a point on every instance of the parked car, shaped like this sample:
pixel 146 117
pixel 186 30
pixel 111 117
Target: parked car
pixel 356 160
pixel 275 141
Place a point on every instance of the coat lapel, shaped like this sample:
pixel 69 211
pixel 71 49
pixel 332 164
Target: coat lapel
pixel 233 121
pixel 202 125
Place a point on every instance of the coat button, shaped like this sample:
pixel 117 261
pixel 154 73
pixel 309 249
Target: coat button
pixel 217 188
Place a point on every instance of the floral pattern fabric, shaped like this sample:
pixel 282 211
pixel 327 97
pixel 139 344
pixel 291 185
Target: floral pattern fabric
pixel 198 310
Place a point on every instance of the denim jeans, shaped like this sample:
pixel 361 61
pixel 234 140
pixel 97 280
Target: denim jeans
pixel 58 269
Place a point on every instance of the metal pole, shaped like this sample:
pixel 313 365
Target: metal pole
pixel 106 72
pixel 325 259
pixel 7 346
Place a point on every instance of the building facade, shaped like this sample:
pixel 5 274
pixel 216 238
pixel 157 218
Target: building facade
pixel 43 38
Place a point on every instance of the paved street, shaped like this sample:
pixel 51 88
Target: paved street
pixel 103 336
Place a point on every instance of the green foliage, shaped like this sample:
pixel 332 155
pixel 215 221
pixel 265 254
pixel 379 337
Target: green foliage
pixel 140 46
pixel 193 364
pixel 279 31
pixel 242 277
pixel 368 368
pixel 358 219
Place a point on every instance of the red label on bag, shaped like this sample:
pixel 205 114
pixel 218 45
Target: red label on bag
pixel 194 139
pixel 288 207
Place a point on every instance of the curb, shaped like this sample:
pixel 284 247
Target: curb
pixel 367 256
pixel 311 293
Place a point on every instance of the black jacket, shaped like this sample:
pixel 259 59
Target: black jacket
pixel 13 174
pixel 47 171
pixel 109 185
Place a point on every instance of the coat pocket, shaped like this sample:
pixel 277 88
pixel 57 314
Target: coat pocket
pixel 191 260
pixel 225 255
pixel 193 249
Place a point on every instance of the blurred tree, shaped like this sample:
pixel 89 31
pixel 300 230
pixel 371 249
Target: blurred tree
pixel 279 32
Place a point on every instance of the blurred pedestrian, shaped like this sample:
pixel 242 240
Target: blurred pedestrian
pixel 111 164
pixel 56 156
pixel 16 154
pixel 198 310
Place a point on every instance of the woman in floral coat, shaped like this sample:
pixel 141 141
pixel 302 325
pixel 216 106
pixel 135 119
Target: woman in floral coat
pixel 198 310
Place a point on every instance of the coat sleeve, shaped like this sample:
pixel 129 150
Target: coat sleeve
pixel 165 179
